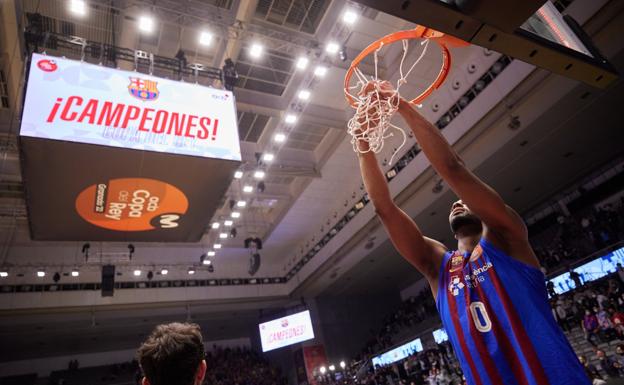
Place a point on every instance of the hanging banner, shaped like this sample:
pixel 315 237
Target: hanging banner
pixel 314 357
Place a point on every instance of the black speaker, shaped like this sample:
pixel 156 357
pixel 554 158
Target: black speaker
pixel 108 280
pixel 254 263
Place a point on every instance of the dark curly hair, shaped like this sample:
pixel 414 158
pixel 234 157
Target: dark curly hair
pixel 172 354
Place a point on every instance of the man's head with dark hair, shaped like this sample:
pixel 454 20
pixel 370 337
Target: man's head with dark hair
pixel 173 355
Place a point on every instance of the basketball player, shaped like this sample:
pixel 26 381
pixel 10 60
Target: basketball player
pixel 490 292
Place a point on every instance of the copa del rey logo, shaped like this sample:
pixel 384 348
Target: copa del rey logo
pixel 284 323
pixel 143 89
pixel 455 286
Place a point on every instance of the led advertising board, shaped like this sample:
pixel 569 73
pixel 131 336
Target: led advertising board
pixel 81 102
pixel 286 331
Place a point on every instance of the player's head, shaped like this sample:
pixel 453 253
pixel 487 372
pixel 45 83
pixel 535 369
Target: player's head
pixel 173 355
pixel 462 220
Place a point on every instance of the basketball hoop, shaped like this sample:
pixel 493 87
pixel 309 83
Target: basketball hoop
pixel 374 110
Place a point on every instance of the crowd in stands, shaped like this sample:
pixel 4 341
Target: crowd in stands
pixel 229 366
pixel 435 366
pixel 240 367
pixel 411 313
pixel 596 308
pixel 579 235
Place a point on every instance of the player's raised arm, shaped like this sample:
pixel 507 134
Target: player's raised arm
pixel 422 252
pixel 502 224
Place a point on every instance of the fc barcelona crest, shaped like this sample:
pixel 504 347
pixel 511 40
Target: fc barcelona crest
pixel 143 89
pixel 457 262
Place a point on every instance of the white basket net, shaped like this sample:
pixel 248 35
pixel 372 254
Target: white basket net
pixel 371 122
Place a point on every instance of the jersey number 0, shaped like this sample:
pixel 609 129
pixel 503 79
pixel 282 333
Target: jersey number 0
pixel 480 317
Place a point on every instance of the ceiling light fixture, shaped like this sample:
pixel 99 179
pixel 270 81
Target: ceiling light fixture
pixel 247 188
pixel 332 47
pixel 146 24
pixel 223 235
pixel 320 71
pixel 216 246
pixel 137 273
pixel 279 138
pixel 349 17
pixel 205 38
pixel 241 204
pixel 238 174
pixel 215 225
pixel 78 7
pixel 268 157
pixel 304 94
pixel 235 214
pixel 228 223
pixel 256 50
pixel 259 174
pixel 302 63
pixel 290 118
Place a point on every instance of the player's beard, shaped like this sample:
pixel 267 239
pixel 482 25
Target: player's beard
pixel 467 223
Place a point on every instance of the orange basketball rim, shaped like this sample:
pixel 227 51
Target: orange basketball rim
pixel 444 41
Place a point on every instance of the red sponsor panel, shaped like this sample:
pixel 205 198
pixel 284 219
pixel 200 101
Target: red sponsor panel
pixel 314 357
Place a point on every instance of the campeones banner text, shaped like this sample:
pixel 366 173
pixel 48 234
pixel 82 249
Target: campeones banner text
pixel 80 102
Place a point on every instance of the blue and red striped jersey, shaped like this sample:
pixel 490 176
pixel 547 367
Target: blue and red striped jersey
pixel 498 319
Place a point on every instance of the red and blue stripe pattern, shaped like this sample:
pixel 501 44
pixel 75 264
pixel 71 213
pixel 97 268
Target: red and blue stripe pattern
pixel 496 313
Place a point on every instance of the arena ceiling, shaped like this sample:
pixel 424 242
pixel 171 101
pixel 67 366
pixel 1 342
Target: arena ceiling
pixel 314 181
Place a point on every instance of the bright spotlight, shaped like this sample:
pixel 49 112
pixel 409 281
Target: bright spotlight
pixel 332 47
pixel 78 7
pixel 268 157
pixel 304 94
pixel 205 38
pixel 146 24
pixel 235 214
pixel 75 273
pixel 164 272
pixel 241 204
pixel 259 174
pixel 332 368
pixel 256 50
pixel 228 223
pixel 320 71
pixel 223 235
pixel 215 225
pixel 4 274
pixel 137 273
pixel 323 370
pixel 290 119
pixel 343 364
pixel 238 174
pixel 302 63
pixel 191 271
pixel 349 17
pixel 247 188
pixel 40 273
pixel 216 246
